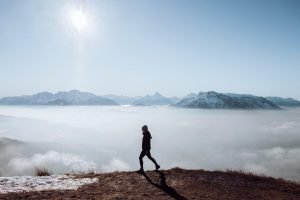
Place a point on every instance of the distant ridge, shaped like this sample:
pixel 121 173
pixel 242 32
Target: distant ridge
pixel 121 99
pixel 72 97
pixel 76 97
pixel 155 99
pixel 288 102
pixel 147 100
pixel 214 100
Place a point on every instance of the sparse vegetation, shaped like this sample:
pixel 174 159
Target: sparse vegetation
pixel 241 172
pixel 42 171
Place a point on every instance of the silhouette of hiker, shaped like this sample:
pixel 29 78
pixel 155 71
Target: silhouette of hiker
pixel 146 146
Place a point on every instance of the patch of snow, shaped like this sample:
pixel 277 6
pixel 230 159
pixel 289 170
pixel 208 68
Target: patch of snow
pixel 40 183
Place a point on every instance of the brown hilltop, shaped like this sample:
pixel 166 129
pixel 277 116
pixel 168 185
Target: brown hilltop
pixel 174 184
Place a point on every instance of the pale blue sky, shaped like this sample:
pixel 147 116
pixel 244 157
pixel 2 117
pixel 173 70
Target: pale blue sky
pixel 142 46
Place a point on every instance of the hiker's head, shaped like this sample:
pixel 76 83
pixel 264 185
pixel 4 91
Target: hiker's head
pixel 145 128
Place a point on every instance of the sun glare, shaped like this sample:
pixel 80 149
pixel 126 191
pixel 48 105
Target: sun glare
pixel 79 19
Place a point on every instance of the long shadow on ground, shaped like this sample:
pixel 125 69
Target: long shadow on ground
pixel 163 186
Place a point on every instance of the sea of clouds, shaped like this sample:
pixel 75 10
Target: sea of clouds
pixel 104 138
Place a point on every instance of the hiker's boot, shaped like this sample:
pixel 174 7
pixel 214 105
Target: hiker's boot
pixel 157 167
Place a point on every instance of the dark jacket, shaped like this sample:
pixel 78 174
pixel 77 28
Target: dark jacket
pixel 146 141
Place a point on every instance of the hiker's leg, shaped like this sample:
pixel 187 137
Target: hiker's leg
pixel 143 153
pixel 148 154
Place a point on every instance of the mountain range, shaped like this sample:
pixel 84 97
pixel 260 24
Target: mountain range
pixel 208 100
pixel 155 99
pixel 76 97
pixel 214 100
pixel 289 102
pixel 73 97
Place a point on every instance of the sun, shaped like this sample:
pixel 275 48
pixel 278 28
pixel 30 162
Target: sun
pixel 79 20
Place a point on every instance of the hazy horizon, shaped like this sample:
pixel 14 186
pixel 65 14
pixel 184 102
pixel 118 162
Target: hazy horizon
pixel 143 94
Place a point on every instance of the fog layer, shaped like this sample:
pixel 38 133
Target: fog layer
pixel 104 138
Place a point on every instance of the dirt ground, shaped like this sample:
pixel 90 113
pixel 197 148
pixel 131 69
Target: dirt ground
pixel 174 184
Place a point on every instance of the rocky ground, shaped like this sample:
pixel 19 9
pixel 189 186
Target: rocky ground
pixel 173 184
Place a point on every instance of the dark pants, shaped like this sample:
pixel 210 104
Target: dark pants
pixel 148 154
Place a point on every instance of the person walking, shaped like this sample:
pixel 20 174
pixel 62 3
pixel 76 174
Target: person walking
pixel 146 146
